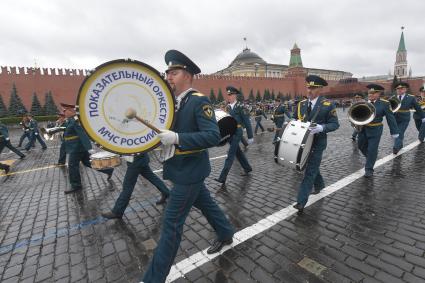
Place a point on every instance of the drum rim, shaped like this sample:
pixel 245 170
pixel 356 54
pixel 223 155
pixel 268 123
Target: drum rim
pixel 136 62
pixel 300 152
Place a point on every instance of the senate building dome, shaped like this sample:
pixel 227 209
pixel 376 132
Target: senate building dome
pixel 247 57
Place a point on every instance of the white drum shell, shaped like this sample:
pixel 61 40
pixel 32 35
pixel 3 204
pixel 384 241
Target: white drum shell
pixel 295 145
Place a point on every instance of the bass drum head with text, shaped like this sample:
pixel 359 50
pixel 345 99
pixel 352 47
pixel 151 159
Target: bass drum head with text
pixel 113 88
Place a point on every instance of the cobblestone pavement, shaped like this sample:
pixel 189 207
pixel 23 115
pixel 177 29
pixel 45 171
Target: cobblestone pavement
pixel 371 230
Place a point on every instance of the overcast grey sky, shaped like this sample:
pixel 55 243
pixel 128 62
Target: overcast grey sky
pixel 359 36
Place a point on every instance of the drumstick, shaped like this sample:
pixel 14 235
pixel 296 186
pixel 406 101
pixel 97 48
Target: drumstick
pixel 131 113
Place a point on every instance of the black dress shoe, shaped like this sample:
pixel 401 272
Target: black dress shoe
pixel 353 138
pixel 162 200
pixel 6 169
pixel 315 192
pixel 22 157
pixel 300 208
pixel 395 150
pixel 246 173
pixel 220 181
pixel 218 245
pixel 110 175
pixel 368 174
pixel 73 190
pixel 110 215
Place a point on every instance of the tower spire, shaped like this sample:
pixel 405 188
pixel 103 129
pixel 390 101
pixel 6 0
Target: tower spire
pixel 401 45
pixel 400 66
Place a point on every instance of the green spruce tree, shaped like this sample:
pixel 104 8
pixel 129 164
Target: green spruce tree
pixel 49 105
pixel 16 107
pixel 3 109
pixel 394 83
pixel 220 97
pixel 240 95
pixel 280 95
pixel 258 96
pixel 213 99
pixel 251 96
pixel 36 109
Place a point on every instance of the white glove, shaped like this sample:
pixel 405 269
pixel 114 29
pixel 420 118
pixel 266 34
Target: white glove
pixel 92 151
pixel 423 120
pixel 36 134
pixel 250 141
pixel 167 151
pixel 168 137
pixel 7 139
pixel 317 129
pixel 395 136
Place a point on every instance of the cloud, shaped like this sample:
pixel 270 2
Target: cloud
pixel 355 36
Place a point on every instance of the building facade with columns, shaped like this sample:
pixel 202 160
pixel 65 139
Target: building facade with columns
pixel 249 64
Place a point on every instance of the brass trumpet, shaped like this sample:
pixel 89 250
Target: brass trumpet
pixel 361 113
pixel 49 134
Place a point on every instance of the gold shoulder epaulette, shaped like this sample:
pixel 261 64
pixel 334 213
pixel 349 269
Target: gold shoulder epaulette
pixel 197 94
pixel 384 100
pixel 326 103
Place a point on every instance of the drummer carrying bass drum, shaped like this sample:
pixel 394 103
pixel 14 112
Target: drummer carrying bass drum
pixel 78 146
pixel 322 113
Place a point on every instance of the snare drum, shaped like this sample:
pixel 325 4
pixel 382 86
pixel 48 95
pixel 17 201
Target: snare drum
pixel 104 160
pixel 294 146
pixel 226 124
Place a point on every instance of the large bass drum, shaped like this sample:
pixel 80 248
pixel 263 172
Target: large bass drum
pixel 227 125
pixel 294 147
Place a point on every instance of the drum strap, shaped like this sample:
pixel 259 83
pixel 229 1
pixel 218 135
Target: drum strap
pixel 181 152
pixel 71 138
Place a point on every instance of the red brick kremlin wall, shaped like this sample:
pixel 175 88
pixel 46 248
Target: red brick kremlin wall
pixel 65 83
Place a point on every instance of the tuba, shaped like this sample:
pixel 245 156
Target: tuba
pixel 395 103
pixel 361 113
pixel 49 133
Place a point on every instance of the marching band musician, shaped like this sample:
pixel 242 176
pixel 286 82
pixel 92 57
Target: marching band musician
pixel 26 130
pixel 355 133
pixel 402 116
pixel 259 114
pixel 279 116
pixel 322 112
pixel 61 122
pixel 78 148
pixel 5 141
pixel 241 115
pixel 370 134
pixel 34 134
pixel 195 129
pixel 418 121
pixel 138 165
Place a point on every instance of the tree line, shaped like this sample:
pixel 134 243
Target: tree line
pixel 17 108
pixel 265 96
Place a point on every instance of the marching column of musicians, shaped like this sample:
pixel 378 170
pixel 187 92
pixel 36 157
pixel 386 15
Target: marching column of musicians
pixel 195 130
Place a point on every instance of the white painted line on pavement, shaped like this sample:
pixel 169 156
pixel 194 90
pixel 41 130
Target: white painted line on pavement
pixel 196 260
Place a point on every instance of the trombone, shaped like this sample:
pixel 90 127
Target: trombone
pixel 49 134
